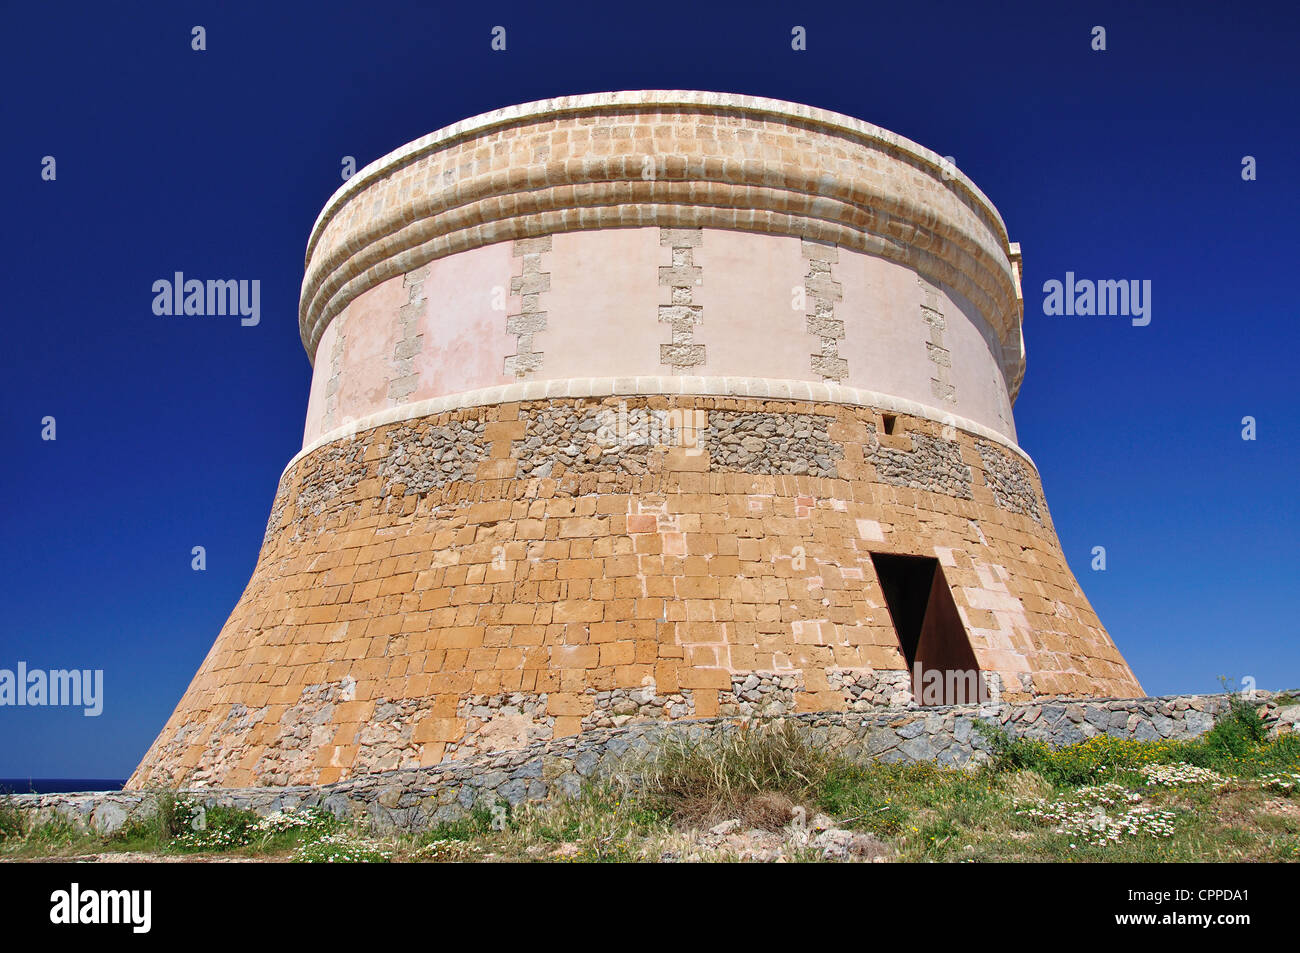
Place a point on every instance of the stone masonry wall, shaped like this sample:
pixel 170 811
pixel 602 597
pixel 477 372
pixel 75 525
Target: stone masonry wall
pixel 932 464
pixel 1009 479
pixel 491 577
pixel 679 279
pixel 547 768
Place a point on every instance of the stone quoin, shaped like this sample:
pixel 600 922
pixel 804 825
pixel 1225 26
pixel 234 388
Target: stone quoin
pixel 640 407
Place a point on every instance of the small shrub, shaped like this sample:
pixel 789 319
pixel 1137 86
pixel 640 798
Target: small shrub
pixel 1084 762
pixel 477 824
pixel 225 828
pixel 1012 753
pixel 1100 815
pixel 229 828
pixel 13 823
pixel 136 834
pixel 342 848
pixel 173 813
pixel 1287 784
pixel 301 823
pixel 1181 774
pixel 1236 733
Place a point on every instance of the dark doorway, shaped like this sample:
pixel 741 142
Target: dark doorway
pixel 930 631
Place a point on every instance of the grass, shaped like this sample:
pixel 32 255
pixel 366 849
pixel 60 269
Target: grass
pixel 12 822
pixel 177 827
pixel 755 773
pixel 1230 795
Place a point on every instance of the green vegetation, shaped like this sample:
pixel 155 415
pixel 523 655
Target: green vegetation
pixel 177 826
pixel 1230 795
pixel 12 823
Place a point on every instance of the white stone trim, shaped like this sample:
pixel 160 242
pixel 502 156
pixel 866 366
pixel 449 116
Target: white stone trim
pixel 819 392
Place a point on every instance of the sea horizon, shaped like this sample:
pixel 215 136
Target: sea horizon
pixel 58 785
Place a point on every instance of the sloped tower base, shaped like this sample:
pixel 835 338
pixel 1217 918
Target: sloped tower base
pixel 397 618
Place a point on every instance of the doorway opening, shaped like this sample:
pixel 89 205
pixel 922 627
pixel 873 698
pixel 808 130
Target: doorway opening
pixel 930 632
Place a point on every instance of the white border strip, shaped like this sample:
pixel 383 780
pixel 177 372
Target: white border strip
pixel 823 393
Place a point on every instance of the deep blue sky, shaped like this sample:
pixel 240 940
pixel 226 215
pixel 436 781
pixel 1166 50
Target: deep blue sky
pixel 172 433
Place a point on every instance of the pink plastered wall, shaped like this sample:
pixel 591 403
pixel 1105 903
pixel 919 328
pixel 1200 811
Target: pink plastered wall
pixel 751 327
pixel 465 341
pixel 317 422
pixel 884 335
pixel 601 311
pixel 981 389
pixel 370 333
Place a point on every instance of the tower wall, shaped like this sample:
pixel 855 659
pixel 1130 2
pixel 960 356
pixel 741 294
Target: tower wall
pixel 614 399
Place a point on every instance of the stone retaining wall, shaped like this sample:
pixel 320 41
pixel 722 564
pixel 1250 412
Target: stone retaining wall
pixel 414 799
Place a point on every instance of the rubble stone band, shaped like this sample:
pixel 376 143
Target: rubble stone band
pixel 598 387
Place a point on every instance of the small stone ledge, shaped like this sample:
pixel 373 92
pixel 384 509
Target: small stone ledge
pixel 413 799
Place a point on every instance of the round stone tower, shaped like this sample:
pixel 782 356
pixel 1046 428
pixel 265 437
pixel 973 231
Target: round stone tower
pixel 642 405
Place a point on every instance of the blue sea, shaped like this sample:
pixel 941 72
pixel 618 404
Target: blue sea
pixel 58 785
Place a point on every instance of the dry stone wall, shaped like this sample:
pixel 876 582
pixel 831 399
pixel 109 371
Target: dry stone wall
pixel 1009 480
pixel 588 439
pixel 423 458
pixel 547 768
pixel 794 444
pixel 933 464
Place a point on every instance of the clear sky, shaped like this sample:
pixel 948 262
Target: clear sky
pixel 172 432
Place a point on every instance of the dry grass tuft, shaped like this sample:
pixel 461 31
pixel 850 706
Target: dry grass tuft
pixel 1025 785
pixel 756 772
pixel 770 811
